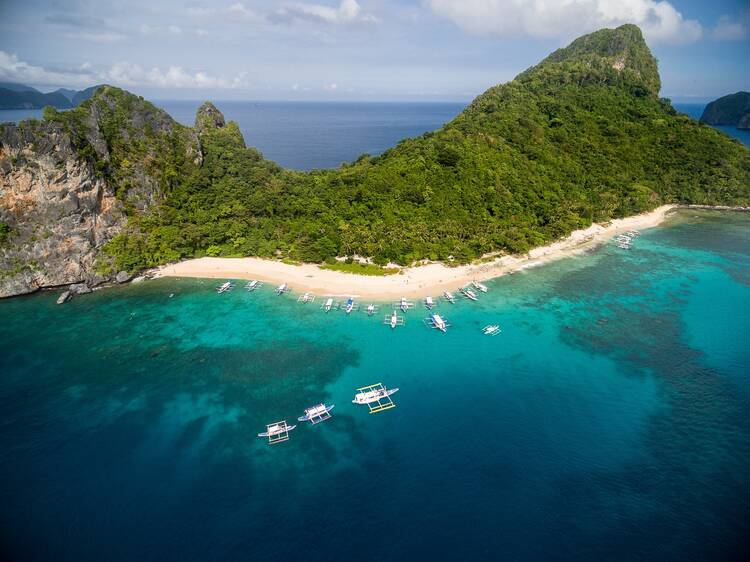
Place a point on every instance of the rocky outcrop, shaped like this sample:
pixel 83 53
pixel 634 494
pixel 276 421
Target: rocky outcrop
pixel 66 182
pixel 58 212
pixel 208 116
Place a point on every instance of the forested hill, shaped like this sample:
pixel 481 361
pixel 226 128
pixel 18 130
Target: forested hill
pixel 580 137
pixel 733 109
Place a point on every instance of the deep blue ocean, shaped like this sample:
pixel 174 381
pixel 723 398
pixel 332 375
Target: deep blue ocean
pixel 609 420
pixel 307 135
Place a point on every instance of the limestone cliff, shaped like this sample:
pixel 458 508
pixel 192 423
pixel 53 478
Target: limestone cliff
pixel 69 183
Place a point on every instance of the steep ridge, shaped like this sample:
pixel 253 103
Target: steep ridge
pixel 580 137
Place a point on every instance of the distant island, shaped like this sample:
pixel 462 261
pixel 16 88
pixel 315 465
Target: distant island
pixel 116 186
pixel 733 109
pixel 20 96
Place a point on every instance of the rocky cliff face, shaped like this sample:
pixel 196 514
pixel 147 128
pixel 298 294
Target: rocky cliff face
pixel 57 212
pixel 67 185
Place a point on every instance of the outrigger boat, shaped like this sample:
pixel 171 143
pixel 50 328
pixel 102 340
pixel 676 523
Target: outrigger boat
pixel 307 297
pixel 491 330
pixel 350 305
pixel 371 309
pixel 449 297
pixel 429 303
pixel 468 293
pixel 394 320
pixel 224 287
pixel 438 322
pixel 328 305
pixel 283 288
pixel 316 414
pixel 480 286
pixel 277 432
pixel 252 285
pixel 404 304
pixel 376 397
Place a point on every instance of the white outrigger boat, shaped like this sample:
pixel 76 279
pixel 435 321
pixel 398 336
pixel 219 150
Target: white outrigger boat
pixel 491 330
pixel 371 309
pixel 224 287
pixel 316 414
pixel 429 303
pixel 252 285
pixel 307 297
pixel 468 293
pixel 404 304
pixel 449 297
pixel 438 322
pixel 480 286
pixel 283 288
pixel 327 305
pixel 394 319
pixel 277 432
pixel 376 397
pixel 350 305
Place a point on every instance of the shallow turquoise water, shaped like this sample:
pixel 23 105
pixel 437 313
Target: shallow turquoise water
pixel 608 420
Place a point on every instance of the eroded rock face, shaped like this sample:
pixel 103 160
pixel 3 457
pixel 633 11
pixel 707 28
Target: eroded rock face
pixel 57 211
pixel 66 181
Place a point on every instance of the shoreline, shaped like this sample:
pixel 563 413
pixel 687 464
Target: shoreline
pixel 418 281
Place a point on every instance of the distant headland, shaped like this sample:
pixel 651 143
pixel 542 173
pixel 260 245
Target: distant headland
pixel 733 109
pixel 21 96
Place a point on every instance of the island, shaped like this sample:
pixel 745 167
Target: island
pixel 116 186
pixel 21 96
pixel 733 109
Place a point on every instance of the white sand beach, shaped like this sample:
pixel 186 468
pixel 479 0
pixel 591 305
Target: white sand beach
pixel 419 281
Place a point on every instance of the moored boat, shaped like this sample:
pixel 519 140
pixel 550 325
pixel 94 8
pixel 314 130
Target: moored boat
pixel 491 330
pixel 479 286
pixel 224 287
pixel 370 396
pixel 469 294
pixel 281 289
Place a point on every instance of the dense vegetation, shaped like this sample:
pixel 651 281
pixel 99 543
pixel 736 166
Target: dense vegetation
pixel 733 109
pixel 581 137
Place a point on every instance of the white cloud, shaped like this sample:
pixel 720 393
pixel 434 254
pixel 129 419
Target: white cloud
pixel 124 74
pixel 128 74
pixel 728 29
pixel 332 87
pixel 236 12
pixel 12 69
pixel 348 11
pixel 659 20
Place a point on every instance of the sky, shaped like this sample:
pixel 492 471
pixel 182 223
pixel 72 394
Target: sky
pixel 385 50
